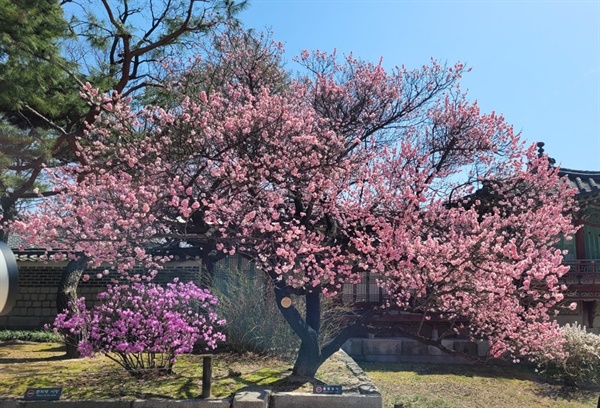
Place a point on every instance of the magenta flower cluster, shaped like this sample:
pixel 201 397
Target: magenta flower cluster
pixel 143 326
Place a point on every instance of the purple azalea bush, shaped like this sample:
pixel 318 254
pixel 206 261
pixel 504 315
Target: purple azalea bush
pixel 143 326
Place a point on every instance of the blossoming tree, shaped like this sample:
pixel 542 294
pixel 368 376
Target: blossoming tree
pixel 346 170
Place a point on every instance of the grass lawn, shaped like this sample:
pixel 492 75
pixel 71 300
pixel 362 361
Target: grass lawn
pixel 25 364
pixel 470 386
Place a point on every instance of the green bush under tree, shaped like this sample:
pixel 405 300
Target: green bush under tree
pixel 254 323
pixel 37 336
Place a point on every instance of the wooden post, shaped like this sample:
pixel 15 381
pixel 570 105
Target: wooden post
pixel 206 376
pixel 579 240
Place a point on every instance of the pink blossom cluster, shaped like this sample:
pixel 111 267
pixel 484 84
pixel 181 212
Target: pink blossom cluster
pixel 320 179
pixel 144 326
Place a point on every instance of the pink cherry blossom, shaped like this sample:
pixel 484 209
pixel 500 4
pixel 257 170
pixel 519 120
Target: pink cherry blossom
pixel 321 179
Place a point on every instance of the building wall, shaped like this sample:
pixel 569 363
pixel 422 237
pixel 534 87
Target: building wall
pixel 38 285
pixel 581 315
pixel 368 292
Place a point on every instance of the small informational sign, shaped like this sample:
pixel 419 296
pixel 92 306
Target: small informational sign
pixel 43 394
pixel 286 302
pixel 327 389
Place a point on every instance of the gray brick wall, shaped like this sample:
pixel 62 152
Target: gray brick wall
pixel 38 284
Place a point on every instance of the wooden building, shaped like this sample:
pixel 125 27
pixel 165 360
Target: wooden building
pixel 583 257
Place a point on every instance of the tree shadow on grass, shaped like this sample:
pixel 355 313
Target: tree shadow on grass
pixel 556 391
pixel 265 378
pixel 56 349
pixel 15 352
pixel 287 384
pixel 292 383
pixel 187 387
pixel 31 359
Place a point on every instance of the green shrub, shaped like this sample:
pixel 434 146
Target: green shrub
pixel 582 361
pixel 255 324
pixel 37 336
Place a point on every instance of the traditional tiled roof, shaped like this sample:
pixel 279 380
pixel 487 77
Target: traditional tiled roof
pixel 23 256
pixel 587 183
pixel 13 241
pixel 40 255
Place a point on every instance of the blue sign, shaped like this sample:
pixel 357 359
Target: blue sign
pixel 327 389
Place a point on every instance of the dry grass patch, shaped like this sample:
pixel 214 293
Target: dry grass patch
pixel 464 386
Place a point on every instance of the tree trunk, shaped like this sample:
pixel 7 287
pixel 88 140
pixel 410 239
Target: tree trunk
pixel 7 213
pixel 313 308
pixel 67 292
pixel 210 257
pixel 208 272
pixel 311 356
pixel 308 360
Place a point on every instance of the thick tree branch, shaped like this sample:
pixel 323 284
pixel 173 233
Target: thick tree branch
pixel 338 341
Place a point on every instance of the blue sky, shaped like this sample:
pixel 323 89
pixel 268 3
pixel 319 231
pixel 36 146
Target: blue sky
pixel 537 62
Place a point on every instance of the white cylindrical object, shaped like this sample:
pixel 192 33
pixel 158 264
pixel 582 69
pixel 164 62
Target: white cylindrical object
pixel 9 279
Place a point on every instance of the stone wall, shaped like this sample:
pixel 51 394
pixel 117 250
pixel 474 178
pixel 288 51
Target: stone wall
pixel 404 350
pixel 38 285
pixel 36 300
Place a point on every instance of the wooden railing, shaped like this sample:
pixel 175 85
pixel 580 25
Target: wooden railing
pixel 582 272
pixel 583 266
